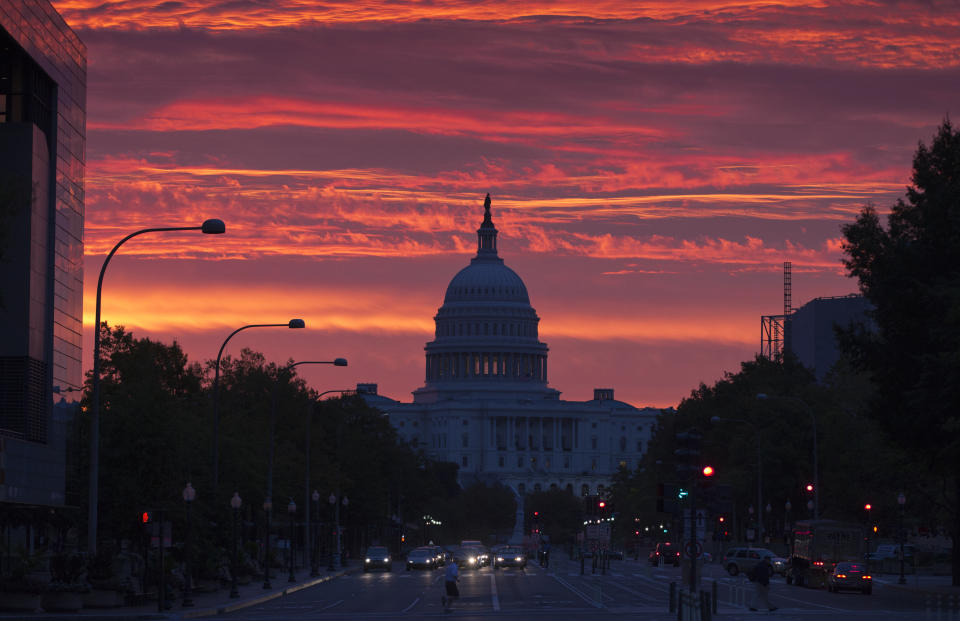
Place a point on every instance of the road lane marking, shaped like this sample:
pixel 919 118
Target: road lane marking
pixel 593 602
pixel 337 603
pixel 411 605
pixel 493 589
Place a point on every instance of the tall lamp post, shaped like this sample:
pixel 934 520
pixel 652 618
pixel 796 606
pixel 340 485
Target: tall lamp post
pixel 314 556
pixel 292 324
pixel 335 561
pixel 902 501
pixel 189 495
pixel 291 511
pixel 756 430
pixel 816 472
pixel 235 502
pixel 209 227
pixel 338 362
pixel 267 509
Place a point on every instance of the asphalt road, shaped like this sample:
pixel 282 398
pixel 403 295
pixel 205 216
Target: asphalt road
pixel 629 590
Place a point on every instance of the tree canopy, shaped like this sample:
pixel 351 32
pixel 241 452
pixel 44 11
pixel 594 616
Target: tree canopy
pixel 910 272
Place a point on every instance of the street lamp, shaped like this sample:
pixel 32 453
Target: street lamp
pixel 235 502
pixel 314 556
pixel 267 509
pixel 332 499
pixel 338 362
pixel 816 473
pixel 292 324
pixel 209 227
pixel 291 511
pixel 902 501
pixel 756 430
pixel 189 495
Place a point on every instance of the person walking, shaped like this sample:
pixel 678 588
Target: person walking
pixel 451 577
pixel 760 576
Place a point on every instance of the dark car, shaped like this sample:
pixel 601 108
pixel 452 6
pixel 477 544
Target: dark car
pixel 850 577
pixel 467 558
pixel 377 557
pixel 665 552
pixel 422 558
pixel 510 557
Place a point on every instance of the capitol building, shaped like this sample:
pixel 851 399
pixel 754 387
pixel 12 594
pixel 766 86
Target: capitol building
pixel 486 404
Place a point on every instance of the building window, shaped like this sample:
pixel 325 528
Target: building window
pixel 623 463
pixel 593 442
pixel 500 461
pixel 546 463
pixel 465 439
pixel 593 466
pixel 639 446
pixel 623 443
pixel 519 461
pixel 536 487
pixel 566 461
pixel 466 461
pixel 522 489
pixel 584 490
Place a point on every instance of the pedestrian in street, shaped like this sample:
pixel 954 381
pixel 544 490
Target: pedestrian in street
pixel 451 577
pixel 759 575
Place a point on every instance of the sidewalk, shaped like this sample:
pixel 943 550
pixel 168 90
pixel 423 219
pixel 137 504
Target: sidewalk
pixel 204 604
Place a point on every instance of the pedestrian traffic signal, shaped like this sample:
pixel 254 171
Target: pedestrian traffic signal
pixel 146 517
pixel 602 504
pixel 536 514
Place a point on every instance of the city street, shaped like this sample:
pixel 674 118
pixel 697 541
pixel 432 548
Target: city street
pixel 630 590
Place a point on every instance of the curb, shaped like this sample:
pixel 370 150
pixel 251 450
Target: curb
pixel 219 610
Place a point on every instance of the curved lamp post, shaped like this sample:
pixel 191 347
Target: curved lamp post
pixel 813 421
pixel 267 508
pixel 209 227
pixel 291 511
pixel 293 324
pixel 337 362
pixel 335 556
pixel 756 430
pixel 235 502
pixel 189 495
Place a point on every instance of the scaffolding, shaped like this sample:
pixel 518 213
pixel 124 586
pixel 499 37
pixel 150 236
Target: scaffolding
pixel 773 328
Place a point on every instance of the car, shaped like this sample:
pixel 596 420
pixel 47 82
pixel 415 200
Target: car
pixel 665 552
pixel 377 557
pixel 890 551
pixel 850 577
pixel 467 558
pixel 439 554
pixel 738 560
pixel 422 558
pixel 510 557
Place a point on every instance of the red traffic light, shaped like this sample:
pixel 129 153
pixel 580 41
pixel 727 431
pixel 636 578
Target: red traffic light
pixel 722 519
pixel 145 517
pixel 602 504
pixel 708 471
pixel 809 487
pixel 536 514
pixel 867 506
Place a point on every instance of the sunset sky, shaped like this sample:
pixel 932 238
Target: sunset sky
pixel 651 166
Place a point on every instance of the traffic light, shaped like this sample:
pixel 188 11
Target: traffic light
pixel 708 471
pixel 688 451
pixel 146 517
pixel 809 488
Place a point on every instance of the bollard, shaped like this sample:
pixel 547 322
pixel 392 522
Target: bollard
pixel 705 606
pixel 673 597
pixel 713 599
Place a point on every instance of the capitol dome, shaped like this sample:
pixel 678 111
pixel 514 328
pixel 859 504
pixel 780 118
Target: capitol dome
pixel 486 330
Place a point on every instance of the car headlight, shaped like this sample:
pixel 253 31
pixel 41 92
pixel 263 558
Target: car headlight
pixel 472 560
pixel 386 560
pixel 518 559
pixel 499 559
pixel 367 560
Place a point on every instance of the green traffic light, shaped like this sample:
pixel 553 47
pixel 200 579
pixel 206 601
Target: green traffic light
pixel 682 493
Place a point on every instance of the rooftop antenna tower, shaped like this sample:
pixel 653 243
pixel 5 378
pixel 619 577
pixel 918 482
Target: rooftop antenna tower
pixel 774 329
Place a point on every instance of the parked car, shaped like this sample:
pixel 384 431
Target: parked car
pixel 510 557
pixel 851 577
pixel 737 560
pixel 665 552
pixel 377 556
pixel 887 551
pixel 422 558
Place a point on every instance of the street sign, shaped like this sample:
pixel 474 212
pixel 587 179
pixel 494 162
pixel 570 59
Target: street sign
pixel 693 549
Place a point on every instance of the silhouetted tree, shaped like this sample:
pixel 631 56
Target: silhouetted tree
pixel 910 272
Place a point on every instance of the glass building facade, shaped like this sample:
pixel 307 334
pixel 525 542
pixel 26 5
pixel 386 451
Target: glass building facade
pixel 42 141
